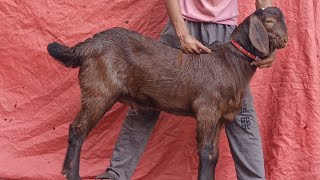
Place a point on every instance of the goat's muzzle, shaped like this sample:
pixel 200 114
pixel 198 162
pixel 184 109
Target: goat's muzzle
pixel 281 42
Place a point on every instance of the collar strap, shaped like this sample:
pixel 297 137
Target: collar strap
pixel 240 48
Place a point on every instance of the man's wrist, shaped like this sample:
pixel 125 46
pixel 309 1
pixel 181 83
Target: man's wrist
pixel 181 30
pixel 263 4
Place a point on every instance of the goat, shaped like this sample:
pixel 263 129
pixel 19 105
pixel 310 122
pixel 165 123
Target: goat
pixel 119 65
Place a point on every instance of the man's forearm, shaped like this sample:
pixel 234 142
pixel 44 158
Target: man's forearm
pixel 175 15
pixel 263 3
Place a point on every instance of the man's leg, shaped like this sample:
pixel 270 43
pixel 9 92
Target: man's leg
pixel 245 142
pixel 134 135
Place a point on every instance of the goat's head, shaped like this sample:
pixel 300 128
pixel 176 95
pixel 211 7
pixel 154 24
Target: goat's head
pixel 266 30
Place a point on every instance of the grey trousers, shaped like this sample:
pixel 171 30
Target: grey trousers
pixel 243 133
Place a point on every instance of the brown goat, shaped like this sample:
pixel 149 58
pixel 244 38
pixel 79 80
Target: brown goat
pixel 121 65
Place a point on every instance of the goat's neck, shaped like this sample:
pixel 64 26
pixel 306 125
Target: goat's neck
pixel 241 64
pixel 241 36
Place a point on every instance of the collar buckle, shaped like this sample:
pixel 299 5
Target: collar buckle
pixel 257 58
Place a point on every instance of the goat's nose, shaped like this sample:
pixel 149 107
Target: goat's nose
pixel 284 41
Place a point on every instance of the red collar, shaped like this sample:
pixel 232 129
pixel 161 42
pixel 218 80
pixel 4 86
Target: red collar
pixel 255 58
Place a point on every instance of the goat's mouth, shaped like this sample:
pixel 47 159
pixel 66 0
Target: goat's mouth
pixel 280 43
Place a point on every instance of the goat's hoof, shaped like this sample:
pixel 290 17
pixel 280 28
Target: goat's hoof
pixel 64 174
pixel 105 176
pixel 70 177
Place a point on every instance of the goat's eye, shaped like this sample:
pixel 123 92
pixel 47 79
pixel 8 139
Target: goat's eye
pixel 268 21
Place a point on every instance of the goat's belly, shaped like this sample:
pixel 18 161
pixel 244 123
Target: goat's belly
pixel 150 104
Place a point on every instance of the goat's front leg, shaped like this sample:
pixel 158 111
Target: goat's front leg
pixel 208 130
pixel 92 110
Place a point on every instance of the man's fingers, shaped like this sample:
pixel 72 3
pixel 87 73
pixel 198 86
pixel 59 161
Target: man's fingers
pixel 207 50
pixel 262 62
pixel 265 63
pixel 191 50
pixel 195 47
pixel 197 50
pixel 261 65
pixel 265 66
pixel 203 48
pixel 187 50
pixel 191 45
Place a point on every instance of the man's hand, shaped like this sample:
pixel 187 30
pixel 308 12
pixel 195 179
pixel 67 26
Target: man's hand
pixel 190 45
pixel 265 63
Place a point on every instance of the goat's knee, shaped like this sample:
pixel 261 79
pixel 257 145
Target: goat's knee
pixel 77 132
pixel 209 155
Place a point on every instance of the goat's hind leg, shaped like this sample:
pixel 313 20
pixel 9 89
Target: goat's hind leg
pixel 92 110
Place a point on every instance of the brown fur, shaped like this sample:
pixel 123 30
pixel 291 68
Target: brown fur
pixel 122 65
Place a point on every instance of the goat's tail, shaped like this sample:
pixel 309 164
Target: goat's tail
pixel 68 56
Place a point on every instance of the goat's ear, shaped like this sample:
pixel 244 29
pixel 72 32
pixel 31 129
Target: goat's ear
pixel 258 35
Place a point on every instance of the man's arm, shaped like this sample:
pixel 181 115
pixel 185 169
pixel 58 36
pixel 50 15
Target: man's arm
pixel 188 43
pixel 263 3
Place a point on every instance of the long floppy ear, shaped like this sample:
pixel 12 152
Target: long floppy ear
pixel 258 35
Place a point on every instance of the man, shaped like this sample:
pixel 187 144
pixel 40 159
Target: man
pixel 195 24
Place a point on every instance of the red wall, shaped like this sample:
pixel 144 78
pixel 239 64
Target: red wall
pixel 39 97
